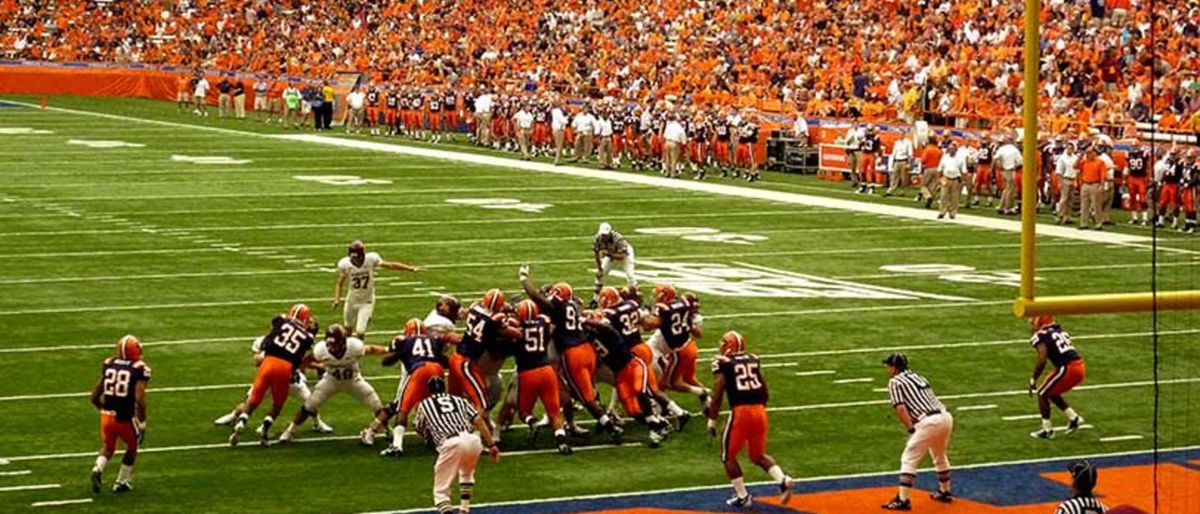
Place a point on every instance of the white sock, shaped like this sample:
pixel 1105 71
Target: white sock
pixel 674 409
pixel 1071 414
pixel 739 487
pixel 101 463
pixel 604 420
pixel 1046 424
pixel 903 493
pixel 398 436
pixel 291 427
pixel 776 473
pixel 560 433
pixel 125 474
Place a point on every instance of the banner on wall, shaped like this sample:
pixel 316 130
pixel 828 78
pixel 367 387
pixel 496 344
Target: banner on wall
pixel 833 158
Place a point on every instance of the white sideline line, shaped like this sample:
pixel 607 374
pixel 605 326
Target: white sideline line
pixel 15 473
pixel 989 406
pixel 410 223
pixel 60 502
pixel 725 485
pixel 1120 438
pixel 854 380
pixel 194 305
pixel 844 283
pixel 815 372
pixel 33 487
pixel 1022 417
pixel 341 193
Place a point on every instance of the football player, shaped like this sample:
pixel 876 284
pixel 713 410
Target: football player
pixel 624 314
pixel 358 267
pixel 630 374
pixel 576 354
pixel 676 322
pixel 120 396
pixel 1053 344
pixel 286 350
pixel 446 314
pixel 339 355
pixel 475 364
pixel 423 357
pixel 297 389
pixel 739 374
pixel 536 378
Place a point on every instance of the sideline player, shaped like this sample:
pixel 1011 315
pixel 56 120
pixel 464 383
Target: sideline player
pixel 676 322
pixel 423 358
pixel 609 249
pixel 460 434
pixel 339 356
pixel 120 396
pixel 358 266
pixel 739 374
pixel 1052 343
pixel 286 351
pixel 929 426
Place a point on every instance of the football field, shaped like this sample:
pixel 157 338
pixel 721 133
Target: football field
pixel 122 216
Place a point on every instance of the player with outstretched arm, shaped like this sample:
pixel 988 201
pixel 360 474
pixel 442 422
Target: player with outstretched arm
pixel 358 267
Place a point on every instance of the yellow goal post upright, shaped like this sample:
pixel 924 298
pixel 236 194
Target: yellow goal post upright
pixel 1028 304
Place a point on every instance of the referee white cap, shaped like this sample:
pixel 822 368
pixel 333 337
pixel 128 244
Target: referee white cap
pixel 605 229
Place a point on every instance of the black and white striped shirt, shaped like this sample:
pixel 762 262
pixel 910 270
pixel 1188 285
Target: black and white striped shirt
pixel 913 391
pixel 1081 505
pixel 615 243
pixel 443 416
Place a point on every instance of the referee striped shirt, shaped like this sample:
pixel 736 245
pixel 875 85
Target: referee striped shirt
pixel 615 243
pixel 1081 505
pixel 913 391
pixel 443 416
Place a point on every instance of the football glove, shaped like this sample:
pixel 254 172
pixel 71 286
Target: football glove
pixel 1032 386
pixel 524 272
pixel 712 428
pixel 139 431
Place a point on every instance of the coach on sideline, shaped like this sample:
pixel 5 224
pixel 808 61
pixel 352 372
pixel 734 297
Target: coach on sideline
pixel 456 430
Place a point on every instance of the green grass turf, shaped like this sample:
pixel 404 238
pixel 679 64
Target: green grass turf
pixel 100 242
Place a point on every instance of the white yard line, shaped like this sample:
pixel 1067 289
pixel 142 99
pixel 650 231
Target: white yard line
pixel 1022 417
pixel 15 473
pixel 1121 438
pixel 33 487
pixel 60 502
pixel 814 372
pixel 854 380
pixel 1040 269
pixel 851 284
pixel 989 406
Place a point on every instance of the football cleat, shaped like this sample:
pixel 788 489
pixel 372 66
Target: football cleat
pixel 577 431
pixel 392 451
pixel 786 486
pixel 682 421
pixel 897 504
pixel 656 438
pixel 740 501
pixel 320 427
pixel 285 437
pixel 122 487
pixel 225 420
pixel 97 481
pixel 1074 425
pixel 367 437
pixel 1042 434
pixel 615 432
pixel 942 496
pixel 265 433
pixel 236 436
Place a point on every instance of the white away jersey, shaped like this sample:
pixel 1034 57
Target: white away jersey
pixel 361 278
pixel 346 366
pixel 436 324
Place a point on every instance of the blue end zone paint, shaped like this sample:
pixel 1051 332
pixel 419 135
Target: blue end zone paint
pixel 1000 485
pixel 10 105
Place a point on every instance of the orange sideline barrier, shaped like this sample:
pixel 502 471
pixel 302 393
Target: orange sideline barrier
pixel 106 82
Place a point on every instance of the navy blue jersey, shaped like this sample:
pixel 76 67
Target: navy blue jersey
pixel 983 154
pixel 532 350
pixel 1172 173
pixel 1135 164
pixel 416 351
pixel 449 103
pixel 435 104
pixel 568 328
pixel 288 340
pixel 373 97
pixel 722 130
pixel 626 320
pixel 391 100
pixel 618 125
pixel 744 381
pixel 118 386
pixel 1190 176
pixel 870 143
pixel 482 329
pixel 675 320
pixel 612 350
pixel 1058 345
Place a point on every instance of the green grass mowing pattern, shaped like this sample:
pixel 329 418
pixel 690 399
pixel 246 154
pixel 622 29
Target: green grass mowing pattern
pixel 468 249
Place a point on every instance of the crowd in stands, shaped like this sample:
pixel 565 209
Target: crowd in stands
pixel 951 62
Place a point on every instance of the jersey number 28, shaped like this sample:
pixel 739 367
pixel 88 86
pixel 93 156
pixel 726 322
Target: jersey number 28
pixel 116 382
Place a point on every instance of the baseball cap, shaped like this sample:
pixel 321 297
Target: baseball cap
pixel 897 359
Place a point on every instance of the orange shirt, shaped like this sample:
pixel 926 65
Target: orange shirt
pixel 1092 171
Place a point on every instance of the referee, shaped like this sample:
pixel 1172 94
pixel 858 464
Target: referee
pixel 610 248
pixel 929 425
pixel 456 429
pixel 1083 480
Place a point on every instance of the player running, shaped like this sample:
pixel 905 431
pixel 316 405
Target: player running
pixel 676 321
pixel 536 379
pixel 577 355
pixel 740 375
pixel 423 358
pixel 286 350
pixel 120 396
pixel 358 266
pixel 1054 344
pixel 339 356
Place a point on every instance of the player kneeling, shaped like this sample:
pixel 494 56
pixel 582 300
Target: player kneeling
pixel 740 374
pixel 339 355
pixel 120 395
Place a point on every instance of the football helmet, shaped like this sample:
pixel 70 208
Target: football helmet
pixel 732 342
pixel 414 327
pixel 448 306
pixel 608 297
pixel 357 252
pixel 527 310
pixel 493 300
pixel 1040 322
pixel 300 313
pixel 562 291
pixel 664 293
pixel 335 340
pixel 129 348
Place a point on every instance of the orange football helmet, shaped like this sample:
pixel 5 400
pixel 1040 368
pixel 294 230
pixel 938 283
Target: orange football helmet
pixel 732 342
pixel 129 348
pixel 1040 322
pixel 493 300
pixel 414 327
pixel 300 312
pixel 631 292
pixel 562 291
pixel 608 297
pixel 664 293
pixel 527 310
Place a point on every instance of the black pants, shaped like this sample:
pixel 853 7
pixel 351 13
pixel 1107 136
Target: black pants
pixel 323 116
